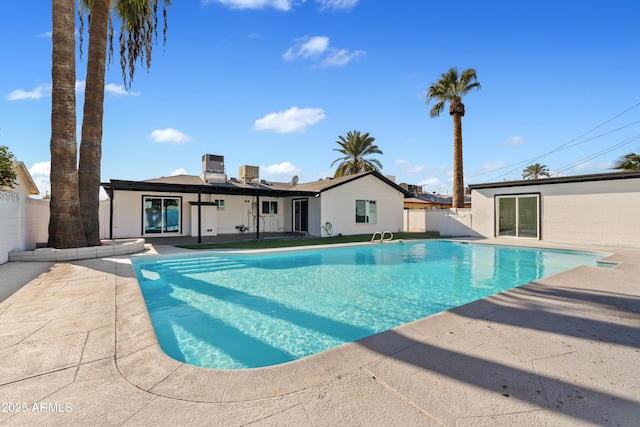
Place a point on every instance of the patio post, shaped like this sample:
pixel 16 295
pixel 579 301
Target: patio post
pixel 258 216
pixel 199 217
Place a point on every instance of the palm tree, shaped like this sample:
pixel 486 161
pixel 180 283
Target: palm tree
pixel 65 226
pixel 535 171
pixel 628 162
pixel 451 88
pixel 138 25
pixel 356 147
pixel 91 138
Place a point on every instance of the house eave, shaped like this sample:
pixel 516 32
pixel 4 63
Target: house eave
pixel 376 174
pixel 122 185
pixel 559 180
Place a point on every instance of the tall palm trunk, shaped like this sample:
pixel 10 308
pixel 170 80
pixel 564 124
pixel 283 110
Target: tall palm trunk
pixel 457 111
pixel 91 139
pixel 458 176
pixel 65 227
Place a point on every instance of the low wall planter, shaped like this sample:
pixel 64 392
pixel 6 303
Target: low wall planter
pixel 108 248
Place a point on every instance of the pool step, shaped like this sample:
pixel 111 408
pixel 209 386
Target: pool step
pixel 196 265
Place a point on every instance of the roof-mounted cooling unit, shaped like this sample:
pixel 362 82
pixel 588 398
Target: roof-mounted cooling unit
pixel 249 173
pixel 213 168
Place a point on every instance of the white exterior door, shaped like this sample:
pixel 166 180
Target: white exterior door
pixel 208 220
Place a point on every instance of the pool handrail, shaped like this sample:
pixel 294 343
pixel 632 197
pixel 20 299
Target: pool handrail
pixel 382 236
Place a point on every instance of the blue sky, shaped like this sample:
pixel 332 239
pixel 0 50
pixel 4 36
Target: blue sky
pixel 273 83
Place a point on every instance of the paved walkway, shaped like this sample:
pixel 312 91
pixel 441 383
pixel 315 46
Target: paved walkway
pixel 77 348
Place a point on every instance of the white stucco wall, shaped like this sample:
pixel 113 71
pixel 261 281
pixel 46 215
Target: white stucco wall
pixel 336 205
pixel 446 222
pixel 339 206
pixel 23 223
pixel 315 217
pixel 591 212
pixel 238 210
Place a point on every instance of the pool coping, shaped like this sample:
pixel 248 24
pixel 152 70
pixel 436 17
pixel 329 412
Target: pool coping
pixel 143 363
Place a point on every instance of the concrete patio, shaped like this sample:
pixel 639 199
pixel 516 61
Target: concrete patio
pixel 77 348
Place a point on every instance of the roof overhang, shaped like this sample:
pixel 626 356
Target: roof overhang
pixel 350 178
pixel 154 187
pixel 559 180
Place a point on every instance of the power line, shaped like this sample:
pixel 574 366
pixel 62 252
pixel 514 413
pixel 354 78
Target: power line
pixel 566 145
pixel 599 153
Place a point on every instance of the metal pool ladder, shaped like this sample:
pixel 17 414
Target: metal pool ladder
pixel 385 236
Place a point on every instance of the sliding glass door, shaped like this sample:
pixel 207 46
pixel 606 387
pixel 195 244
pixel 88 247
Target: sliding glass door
pixel 301 215
pixel 161 215
pixel 518 216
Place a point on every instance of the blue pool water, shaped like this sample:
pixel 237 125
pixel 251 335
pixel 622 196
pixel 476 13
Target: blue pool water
pixel 236 311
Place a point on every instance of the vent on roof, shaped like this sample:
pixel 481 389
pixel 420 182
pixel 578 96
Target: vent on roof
pixel 212 163
pixel 249 173
pixel 213 168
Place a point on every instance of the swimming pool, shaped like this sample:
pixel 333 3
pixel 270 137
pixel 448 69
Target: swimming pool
pixel 236 311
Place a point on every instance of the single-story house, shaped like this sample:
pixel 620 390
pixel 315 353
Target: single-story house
pixel 24 183
pixel 212 204
pixel 597 209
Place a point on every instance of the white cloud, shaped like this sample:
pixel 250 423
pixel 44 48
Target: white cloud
pixel 118 90
pixel 179 171
pixel 325 174
pixel 430 182
pixel 307 47
pixel 293 120
pixel 592 166
pixel 172 136
pixel 435 185
pixel 45 34
pixel 408 168
pixel 337 4
pixel 283 5
pixel 338 58
pixel 513 140
pixel 315 47
pixel 37 93
pixel 42 91
pixel 40 169
pixel 278 171
pixel 40 172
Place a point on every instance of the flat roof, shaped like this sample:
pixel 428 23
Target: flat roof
pixel 560 180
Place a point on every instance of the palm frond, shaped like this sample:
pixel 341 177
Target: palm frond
pixel 356 147
pixel 628 162
pixel 451 87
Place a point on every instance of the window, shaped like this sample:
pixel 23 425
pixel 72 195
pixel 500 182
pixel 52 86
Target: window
pixel 517 216
pixel 161 215
pixel 220 204
pixel 366 211
pixel 269 208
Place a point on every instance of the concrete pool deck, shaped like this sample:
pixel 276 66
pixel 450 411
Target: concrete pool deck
pixel 77 348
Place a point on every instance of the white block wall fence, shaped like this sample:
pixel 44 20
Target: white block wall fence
pixel 23 223
pixel 446 222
